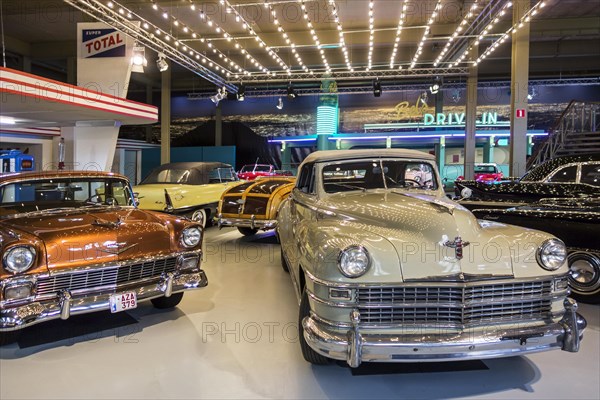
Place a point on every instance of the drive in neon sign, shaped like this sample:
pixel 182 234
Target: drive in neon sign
pixel 443 119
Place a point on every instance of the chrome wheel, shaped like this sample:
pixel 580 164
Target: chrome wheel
pixel 199 216
pixel 584 276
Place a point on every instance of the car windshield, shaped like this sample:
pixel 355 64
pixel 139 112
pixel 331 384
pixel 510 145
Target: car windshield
pixel 219 175
pixel 262 168
pixel 378 174
pixel 45 194
pixel 485 169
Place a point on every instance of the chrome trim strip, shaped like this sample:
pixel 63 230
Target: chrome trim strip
pixel 429 283
pixel 247 223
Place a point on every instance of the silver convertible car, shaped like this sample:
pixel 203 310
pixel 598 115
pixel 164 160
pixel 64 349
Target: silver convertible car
pixel 386 268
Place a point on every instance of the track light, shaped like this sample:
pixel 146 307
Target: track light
pixel 376 87
pixel 435 86
pixel 162 63
pixel 279 104
pixel 138 58
pixel 241 93
pixel 291 93
pixel 221 94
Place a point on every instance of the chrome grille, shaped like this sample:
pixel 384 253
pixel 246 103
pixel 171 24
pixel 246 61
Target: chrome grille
pixel 469 305
pixel 105 278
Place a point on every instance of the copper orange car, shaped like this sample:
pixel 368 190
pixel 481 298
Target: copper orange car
pixel 75 242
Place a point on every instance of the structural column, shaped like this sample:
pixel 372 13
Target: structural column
pixel 165 116
pixel 149 99
pixel 470 124
pixel 440 155
pixel 488 150
pixel 286 156
pixel 518 91
pixel 218 126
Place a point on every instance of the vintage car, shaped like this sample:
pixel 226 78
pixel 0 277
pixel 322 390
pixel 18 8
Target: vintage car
pixel 567 176
pixel 486 172
pixel 250 172
pixel 253 205
pixel 577 223
pixel 389 269
pixel 193 188
pixel 74 243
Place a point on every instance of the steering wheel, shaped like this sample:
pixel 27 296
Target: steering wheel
pixel 109 200
pixel 416 182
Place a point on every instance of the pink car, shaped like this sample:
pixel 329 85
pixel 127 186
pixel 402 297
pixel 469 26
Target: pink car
pixel 250 172
pixel 488 172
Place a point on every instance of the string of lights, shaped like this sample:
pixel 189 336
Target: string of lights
pixel 152 29
pixel 398 33
pixel 212 24
pixel 313 33
pixel 340 29
pixel 287 39
pixel 246 26
pixel 514 28
pixel 432 18
pixel 457 31
pixel 371 34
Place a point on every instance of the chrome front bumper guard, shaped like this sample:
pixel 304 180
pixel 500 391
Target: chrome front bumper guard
pixel 66 304
pixel 355 346
pixel 251 222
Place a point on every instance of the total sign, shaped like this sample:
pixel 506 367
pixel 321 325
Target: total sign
pixel 102 43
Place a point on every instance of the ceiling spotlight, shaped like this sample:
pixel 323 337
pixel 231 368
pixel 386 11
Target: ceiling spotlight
pixel 162 63
pixel 241 93
pixel 279 104
pixel 221 94
pixel 435 86
pixel 291 93
pixel 138 58
pixel 376 87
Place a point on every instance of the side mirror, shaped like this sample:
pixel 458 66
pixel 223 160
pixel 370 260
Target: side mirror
pixel 136 199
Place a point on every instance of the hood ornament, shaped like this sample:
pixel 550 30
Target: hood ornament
pixel 108 224
pixel 457 245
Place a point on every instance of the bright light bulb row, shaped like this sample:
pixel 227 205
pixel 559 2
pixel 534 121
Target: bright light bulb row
pixel 371 34
pixel 315 38
pixel 340 29
pixel 152 29
pixel 287 41
pixel 461 27
pixel 187 30
pixel 246 26
pixel 432 18
pixel 398 32
pixel 524 20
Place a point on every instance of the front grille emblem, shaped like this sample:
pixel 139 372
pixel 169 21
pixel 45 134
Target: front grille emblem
pixel 116 248
pixel 457 245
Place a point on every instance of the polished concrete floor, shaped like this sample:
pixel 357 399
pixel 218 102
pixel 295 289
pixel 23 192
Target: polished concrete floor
pixel 237 339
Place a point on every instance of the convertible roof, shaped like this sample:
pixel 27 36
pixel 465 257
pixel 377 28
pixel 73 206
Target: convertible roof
pixel 204 167
pixel 333 155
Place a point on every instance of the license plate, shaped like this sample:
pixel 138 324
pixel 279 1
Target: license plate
pixel 122 301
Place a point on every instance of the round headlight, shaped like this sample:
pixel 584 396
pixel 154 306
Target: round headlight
pixel 19 259
pixel 191 236
pixel 354 261
pixel 552 254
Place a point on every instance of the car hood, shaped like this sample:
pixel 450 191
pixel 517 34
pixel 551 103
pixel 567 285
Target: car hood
pixel 424 230
pixel 77 238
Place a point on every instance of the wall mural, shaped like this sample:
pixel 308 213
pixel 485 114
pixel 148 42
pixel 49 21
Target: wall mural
pixel 298 116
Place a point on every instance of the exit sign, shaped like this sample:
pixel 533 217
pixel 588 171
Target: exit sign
pixel 520 113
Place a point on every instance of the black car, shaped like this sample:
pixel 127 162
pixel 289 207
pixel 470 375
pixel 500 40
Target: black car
pixel 562 177
pixel 577 223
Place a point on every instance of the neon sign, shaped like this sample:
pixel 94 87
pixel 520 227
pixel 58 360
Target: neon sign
pixel 443 119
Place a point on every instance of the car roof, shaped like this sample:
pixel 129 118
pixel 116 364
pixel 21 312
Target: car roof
pixel 32 175
pixel 202 166
pixel 334 155
pixel 541 171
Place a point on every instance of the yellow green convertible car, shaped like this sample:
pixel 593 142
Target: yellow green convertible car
pixel 191 189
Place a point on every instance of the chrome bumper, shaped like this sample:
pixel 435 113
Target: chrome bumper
pixel 66 304
pixel 355 346
pixel 251 222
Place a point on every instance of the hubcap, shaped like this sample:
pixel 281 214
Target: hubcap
pixel 584 270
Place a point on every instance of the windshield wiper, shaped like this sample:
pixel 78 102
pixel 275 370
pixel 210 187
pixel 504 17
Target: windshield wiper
pixel 350 186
